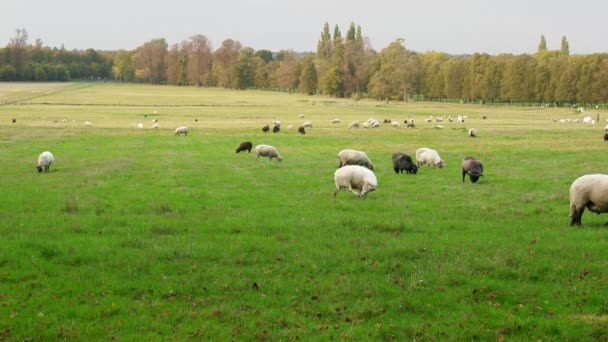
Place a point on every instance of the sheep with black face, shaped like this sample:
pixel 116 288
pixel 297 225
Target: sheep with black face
pixel 403 162
pixel 472 167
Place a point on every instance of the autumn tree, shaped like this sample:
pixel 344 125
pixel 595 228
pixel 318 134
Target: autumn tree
pixel 199 60
pixel 151 60
pixel 123 66
pixel 287 72
pixel 397 73
pixel 308 78
pixel 18 51
pixel 225 59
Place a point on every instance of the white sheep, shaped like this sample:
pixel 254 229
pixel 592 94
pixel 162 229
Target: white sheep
pixel 306 124
pixel 181 130
pixel 155 125
pixel 589 191
pixel 395 124
pixel 366 124
pixel 354 124
pixel 357 179
pixel 45 159
pixel 472 132
pixel 88 124
pixel 301 116
pixel 267 151
pixel 427 156
pixel 354 157
pixel 335 121
pixel 140 125
pixel 277 123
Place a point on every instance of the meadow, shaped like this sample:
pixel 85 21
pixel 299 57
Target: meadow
pixel 137 234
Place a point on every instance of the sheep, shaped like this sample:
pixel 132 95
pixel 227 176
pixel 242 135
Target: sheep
pixel 402 161
pixel 366 124
pixel 266 128
pixel 45 159
pixel 140 125
pixel 356 179
pixel 301 130
pixel 388 121
pixel 606 137
pixel 267 151
pixel 606 128
pixel 428 156
pixel 88 124
pixel 301 116
pixel 354 157
pixel 181 130
pixel 155 126
pixel 395 124
pixel 472 132
pixel 154 120
pixel 410 123
pixel 277 123
pixel 306 124
pixel 335 121
pixel 587 119
pixel 354 124
pixel 276 129
pixel 14 120
pixel 375 124
pixel 290 127
pixel 589 191
pixel 472 167
pixel 244 146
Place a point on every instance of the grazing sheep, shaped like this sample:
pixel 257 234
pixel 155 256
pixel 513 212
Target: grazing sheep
pixel 395 124
pixel 277 123
pixel 409 123
pixel 472 167
pixel 276 129
pixel 290 127
pixel 195 120
pixel 14 120
pixel 388 121
pixel 306 124
pixel 88 124
pixel 45 159
pixel 375 124
pixel 301 130
pixel 266 128
pixel 181 130
pixel 589 191
pixel 402 161
pixel 244 146
pixel 354 157
pixel 354 124
pixel 356 179
pixel 140 125
pixel 366 124
pixel 335 121
pixel 301 116
pixel 267 151
pixel 472 132
pixel 155 126
pixel 428 156
pixel 606 137
pixel 154 120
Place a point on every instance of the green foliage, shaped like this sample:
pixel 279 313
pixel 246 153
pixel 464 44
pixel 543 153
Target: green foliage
pixel 308 78
pixel 332 84
pixel 542 46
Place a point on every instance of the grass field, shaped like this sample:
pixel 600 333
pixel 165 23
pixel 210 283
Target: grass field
pixel 137 234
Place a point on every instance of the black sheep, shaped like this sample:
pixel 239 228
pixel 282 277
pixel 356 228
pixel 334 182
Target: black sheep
pixel 472 167
pixel 301 130
pixel 265 129
pixel 402 161
pixel 276 129
pixel 244 146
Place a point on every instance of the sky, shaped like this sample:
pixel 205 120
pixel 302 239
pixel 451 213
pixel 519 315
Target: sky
pixel 455 27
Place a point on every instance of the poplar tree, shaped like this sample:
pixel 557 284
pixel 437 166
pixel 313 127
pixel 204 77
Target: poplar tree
pixel 542 46
pixel 565 46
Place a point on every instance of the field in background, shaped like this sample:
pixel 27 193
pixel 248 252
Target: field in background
pixel 136 233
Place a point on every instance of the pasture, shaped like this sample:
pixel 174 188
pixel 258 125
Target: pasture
pixel 137 234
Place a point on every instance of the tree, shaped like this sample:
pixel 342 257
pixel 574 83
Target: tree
pixel 396 75
pixel 123 67
pixel 565 46
pixel 151 58
pixel 199 60
pixel 308 78
pixel 542 46
pixel 287 72
pixel 331 84
pixel 18 51
pixel 244 73
pixel 225 59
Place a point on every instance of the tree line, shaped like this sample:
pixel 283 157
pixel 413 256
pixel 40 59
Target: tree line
pixel 342 66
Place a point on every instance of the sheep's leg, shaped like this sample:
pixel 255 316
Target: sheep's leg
pixel 463 174
pixel 576 215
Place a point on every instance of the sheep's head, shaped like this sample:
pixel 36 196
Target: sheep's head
pixel 413 169
pixel 440 164
pixel 39 168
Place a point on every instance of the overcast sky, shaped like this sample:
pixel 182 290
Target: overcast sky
pixel 467 26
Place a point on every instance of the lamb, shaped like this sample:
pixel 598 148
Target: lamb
pixel 267 151
pixel 45 159
pixel 266 128
pixel 472 132
pixel 472 167
pixel 354 157
pixel 181 130
pixel 244 146
pixel 428 156
pixel 357 179
pixel 354 124
pixel 88 124
pixel 589 191
pixel 306 124
pixel 402 161
pixel 301 130
pixel 276 129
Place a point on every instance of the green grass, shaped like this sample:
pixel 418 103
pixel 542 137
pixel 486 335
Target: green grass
pixel 141 235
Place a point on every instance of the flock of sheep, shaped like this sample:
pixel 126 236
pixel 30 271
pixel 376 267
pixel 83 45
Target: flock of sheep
pixel 355 169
